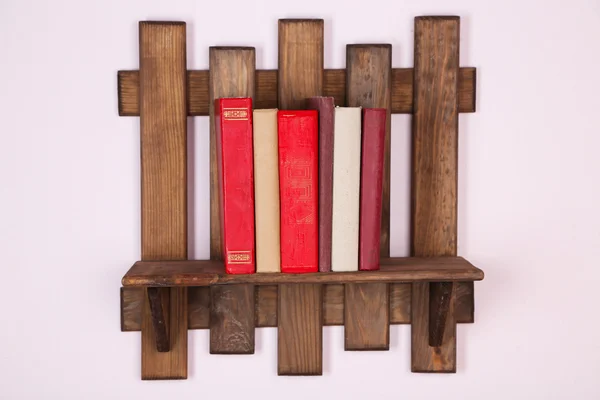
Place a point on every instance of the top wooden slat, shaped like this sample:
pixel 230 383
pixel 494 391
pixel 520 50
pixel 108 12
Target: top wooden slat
pixel 211 272
pixel 266 96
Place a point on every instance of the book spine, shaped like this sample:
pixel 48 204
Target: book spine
pixel 325 107
pixel 236 183
pixel 266 190
pixel 346 189
pixel 371 186
pixel 298 184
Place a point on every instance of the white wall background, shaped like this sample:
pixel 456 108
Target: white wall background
pixel 529 192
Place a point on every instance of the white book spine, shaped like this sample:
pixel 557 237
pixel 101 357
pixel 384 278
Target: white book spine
pixel 346 188
pixel 266 191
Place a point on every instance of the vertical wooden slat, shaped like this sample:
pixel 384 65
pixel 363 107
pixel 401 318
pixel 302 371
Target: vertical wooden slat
pixel 300 62
pixel 232 74
pixel 434 185
pixel 300 307
pixel 300 330
pixel 369 84
pixel 366 317
pixel 163 128
pixel 423 357
pixel 232 319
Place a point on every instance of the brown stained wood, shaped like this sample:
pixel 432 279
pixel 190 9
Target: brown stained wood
pixel 366 316
pixel 300 307
pixel 369 85
pixel 158 300
pixel 266 306
pixel 232 319
pixel 199 307
pixel 439 305
pixel 366 309
pixel 333 305
pixel 426 358
pixel 434 183
pixel 232 73
pixel 300 73
pixel 465 302
pixel 400 298
pixel 334 85
pixel 163 127
pixel 209 272
pixel 299 330
pixel 132 301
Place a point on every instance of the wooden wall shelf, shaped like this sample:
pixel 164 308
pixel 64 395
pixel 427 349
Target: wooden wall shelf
pixel 212 272
pixel 164 294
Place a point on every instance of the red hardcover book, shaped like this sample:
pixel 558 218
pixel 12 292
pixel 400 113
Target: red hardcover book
pixel 233 127
pixel 371 187
pixel 325 107
pixel 298 188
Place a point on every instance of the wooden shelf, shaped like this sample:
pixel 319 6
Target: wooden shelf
pixel 208 272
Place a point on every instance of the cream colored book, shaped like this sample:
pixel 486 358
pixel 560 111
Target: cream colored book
pixel 266 190
pixel 346 188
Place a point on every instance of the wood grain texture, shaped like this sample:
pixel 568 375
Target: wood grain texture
pixel 334 85
pixel 425 358
pixel 158 300
pixel 209 272
pixel 299 330
pixel 232 73
pixel 163 127
pixel 465 302
pixel 173 364
pixel 300 73
pixel 434 184
pixel 132 302
pixel 366 316
pixel 400 299
pixel 439 306
pixel 232 319
pixel 369 84
pixel 266 306
pixel 300 307
pixel 333 304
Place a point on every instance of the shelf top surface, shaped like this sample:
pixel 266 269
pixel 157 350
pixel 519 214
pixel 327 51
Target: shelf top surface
pixel 209 272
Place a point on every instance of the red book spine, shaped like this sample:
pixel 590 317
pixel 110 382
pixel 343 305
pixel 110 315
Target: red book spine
pixel 233 128
pixel 325 107
pixel 298 187
pixel 371 187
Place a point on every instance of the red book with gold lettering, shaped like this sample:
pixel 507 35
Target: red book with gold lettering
pixel 298 187
pixel 233 128
pixel 371 187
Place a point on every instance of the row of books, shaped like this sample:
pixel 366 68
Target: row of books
pixel 300 190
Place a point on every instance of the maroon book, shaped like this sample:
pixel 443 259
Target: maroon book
pixel 325 106
pixel 371 187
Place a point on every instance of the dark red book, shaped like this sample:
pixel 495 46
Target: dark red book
pixel 233 127
pixel 371 187
pixel 298 188
pixel 325 106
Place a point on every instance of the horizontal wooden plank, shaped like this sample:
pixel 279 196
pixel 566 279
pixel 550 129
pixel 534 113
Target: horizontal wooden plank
pixel 334 85
pixel 212 272
pixel 132 298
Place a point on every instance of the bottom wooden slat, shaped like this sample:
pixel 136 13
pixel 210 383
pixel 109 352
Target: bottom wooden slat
pixel 171 364
pixel 266 305
pixel 232 319
pixel 300 330
pixel 425 358
pixel 366 316
pixel 465 302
